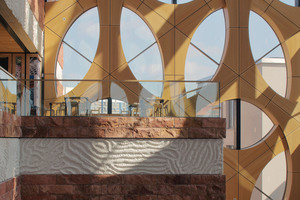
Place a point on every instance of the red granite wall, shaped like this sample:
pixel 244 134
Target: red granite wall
pixel 123 127
pixel 10 189
pixel 10 125
pixel 123 187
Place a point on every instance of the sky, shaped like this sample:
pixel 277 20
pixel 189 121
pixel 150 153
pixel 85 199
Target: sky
pixel 137 37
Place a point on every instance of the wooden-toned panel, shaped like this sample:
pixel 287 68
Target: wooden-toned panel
pixel 216 4
pixel 104 12
pixel 283 28
pixel 230 91
pixel 275 140
pixel 232 49
pixel 259 6
pixel 229 171
pixel 231 158
pixel 293 142
pixel 246 59
pixel 95 72
pixel 295 193
pixel 63 21
pixel 292 13
pixel 181 47
pixel 183 11
pixel 253 76
pixel 102 53
pixel 163 9
pixel 232 188
pixel 253 170
pixel 87 4
pixel 167 46
pixel 292 108
pixel 232 13
pixel 293 51
pixel 244 11
pixel 115 12
pixel 52 43
pixel 7 43
pixel 245 188
pixel 132 4
pixel 224 76
pixel 189 25
pixel 295 92
pixel 117 57
pixel 249 156
pixel 156 23
pixel 252 95
pixel 287 123
pixel 52 9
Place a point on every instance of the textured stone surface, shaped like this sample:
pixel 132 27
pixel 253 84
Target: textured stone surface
pixel 135 187
pixel 9 158
pixel 123 127
pixel 121 156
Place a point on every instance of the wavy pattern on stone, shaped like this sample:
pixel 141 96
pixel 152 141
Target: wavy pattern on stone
pixel 121 156
pixel 9 158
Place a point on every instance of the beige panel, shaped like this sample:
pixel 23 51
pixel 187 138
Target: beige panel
pixel 224 76
pixel 132 4
pixel 293 142
pixel 52 9
pixel 104 12
pixel 292 13
pixel 52 43
pixel 163 9
pixel 253 76
pixel 167 46
pixel 232 49
pixel 283 28
pixel 181 47
pixel 253 170
pixel 116 9
pixel 232 188
pixel 231 158
pixel 95 73
pixel 245 188
pixel 290 107
pixel 155 22
pixel 293 51
pixel 183 11
pixel 252 95
pixel 287 123
pixel 117 57
pixel 102 53
pixel 189 25
pixel 63 21
pixel 87 4
pixel 259 6
pixel 246 59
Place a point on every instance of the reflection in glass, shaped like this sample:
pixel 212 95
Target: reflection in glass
pixel 272 186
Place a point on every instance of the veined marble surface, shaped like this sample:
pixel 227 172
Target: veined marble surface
pixel 121 156
pixel 9 158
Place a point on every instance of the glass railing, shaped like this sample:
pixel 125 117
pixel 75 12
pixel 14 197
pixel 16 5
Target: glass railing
pixel 8 92
pixel 113 98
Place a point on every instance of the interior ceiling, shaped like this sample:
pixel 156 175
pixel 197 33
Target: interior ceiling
pixel 7 43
